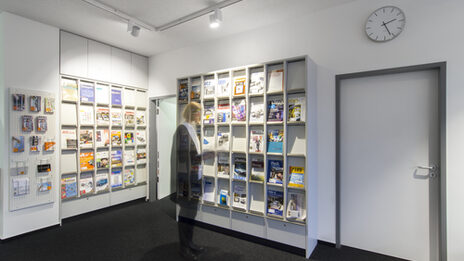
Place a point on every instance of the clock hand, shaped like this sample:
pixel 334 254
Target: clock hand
pixel 385 25
pixel 390 21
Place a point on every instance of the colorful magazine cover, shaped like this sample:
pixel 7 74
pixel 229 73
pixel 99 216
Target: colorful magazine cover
pixel 87 92
pixel 208 114
pixel 129 118
pixel 103 116
pixel 101 182
pixel 86 138
pixel 275 141
pixel 223 140
pixel 86 160
pixel 196 91
pixel 68 187
pixel 103 159
pixel 223 197
pixel 116 117
pixel 35 144
pixel 18 143
pixel 141 156
pixel 223 167
pixel 27 123
pixel 19 101
pixel 49 105
pixel 102 138
pixel 129 177
pixel 116 158
pixel 116 178
pixel 296 205
pixel 223 87
pixel 35 103
pixel 239 110
pixel 256 140
pixel 296 177
pixel 223 111
pixel 69 90
pixel 208 190
pixel 116 138
pixel 141 137
pixel 140 118
pixel 86 184
pixel 41 124
pixel 239 189
pixel 275 110
pixel 240 167
pixel 257 169
pixel 209 88
pixel 116 97
pixel 183 91
pixel 275 202
pixel 275 171
pixel 239 85
pixel 129 138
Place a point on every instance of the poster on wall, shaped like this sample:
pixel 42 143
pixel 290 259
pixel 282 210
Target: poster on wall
pixel 116 97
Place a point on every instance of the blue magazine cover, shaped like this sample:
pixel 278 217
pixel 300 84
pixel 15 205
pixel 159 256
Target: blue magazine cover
pixel 275 140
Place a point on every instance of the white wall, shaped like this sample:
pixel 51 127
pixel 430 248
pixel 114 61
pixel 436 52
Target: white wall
pixel 29 58
pixel 335 40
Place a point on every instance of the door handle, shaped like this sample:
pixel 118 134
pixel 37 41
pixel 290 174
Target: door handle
pixel 432 170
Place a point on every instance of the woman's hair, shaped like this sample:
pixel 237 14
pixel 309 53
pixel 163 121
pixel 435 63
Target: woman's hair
pixel 189 110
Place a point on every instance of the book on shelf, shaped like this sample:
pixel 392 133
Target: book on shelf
pixel 27 123
pixel 116 178
pixel 101 94
pixel 141 137
pixel 239 85
pixel 116 138
pixel 223 111
pixel 69 90
pixel 223 199
pixel 239 110
pixel 116 117
pixel 256 140
pixel 87 92
pixel 19 102
pixel 275 109
pixel 276 80
pixel 208 139
pixel 257 111
pixel 208 113
pixel 209 88
pixel 86 184
pixel 275 202
pixel 140 118
pixel 195 93
pixel 240 167
pixel 86 138
pixel 116 158
pixel 183 91
pixel 129 138
pixel 208 190
pixel 275 171
pixel 223 87
pixel 116 97
pixel 239 190
pixel 296 179
pixel 68 139
pixel 275 140
pixel 86 115
pixel 129 177
pixel 223 167
pixel 296 208
pixel 86 160
pixel 296 109
pixel 102 138
pixel 141 156
pixel 102 159
pixel 223 140
pixel 129 157
pixel 49 105
pixel 68 186
pixel 129 118
pixel 257 83
pixel 101 182
pixel 257 169
pixel 35 103
pixel 103 116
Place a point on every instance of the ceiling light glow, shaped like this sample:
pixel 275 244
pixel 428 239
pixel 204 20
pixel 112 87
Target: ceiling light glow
pixel 215 19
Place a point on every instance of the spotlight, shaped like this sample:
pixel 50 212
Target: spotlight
pixel 133 29
pixel 215 19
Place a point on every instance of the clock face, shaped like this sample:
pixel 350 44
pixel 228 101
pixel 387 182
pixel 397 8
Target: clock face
pixel 385 23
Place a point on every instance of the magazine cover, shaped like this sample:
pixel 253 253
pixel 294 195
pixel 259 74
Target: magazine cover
pixel 256 140
pixel 44 184
pixel 296 207
pixel 129 157
pixel 102 138
pixel 183 91
pixel 276 80
pixel 102 159
pixel 257 111
pixel 129 177
pixel 116 158
pixel 208 114
pixel 116 178
pixel 209 88
pixel 275 110
pixel 35 144
pixel 239 195
pixel 129 138
pixel 69 90
pixel 208 139
pixel 86 138
pixel 116 117
pixel 101 94
pixel 49 144
pixel 223 140
pixel 68 139
pixel 19 102
pixel 223 111
pixel 101 182
pixel 208 190
pixel 140 118
pixel 18 143
pixel 27 123
pixel 86 115
pixel 275 141
pixel 141 137
pixel 141 156
pixel 196 91
pixel 296 107
pixel 87 92
pixel 257 169
pixel 68 187
pixel 296 177
pixel 239 85
pixel 275 202
pixel 275 172
pixel 21 186
pixel 240 167
pixel 86 184
pixel 116 138
pixel 49 105
pixel 223 197
pixel 41 123
pixel 103 116
pixel 35 103
pixel 239 110
pixel 129 118
pixel 257 83
pixel 116 97
pixel 223 89
pixel 223 168
pixel 86 160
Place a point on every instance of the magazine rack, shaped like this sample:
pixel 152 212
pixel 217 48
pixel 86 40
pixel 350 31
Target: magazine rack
pixel 113 98
pixel 250 212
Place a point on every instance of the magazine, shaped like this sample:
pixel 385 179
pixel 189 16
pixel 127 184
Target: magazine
pixel 41 124
pixel 257 83
pixel 141 156
pixel 103 159
pixel 240 167
pixel 116 158
pixel 68 139
pixel 27 123
pixel 101 94
pixel 257 111
pixel 86 115
pixel 239 110
pixel 116 178
pixel 208 194
pixel 102 138
pixel 296 205
pixel 86 160
pixel 276 80
pixel 223 199
pixel 103 116
pixel 86 184
pixel 49 144
pixel 116 117
pixel 275 109
pixel 256 140
pixel 296 108
pixel 257 169
pixel 87 92
pixel 239 85
pixel 19 102
pixel 223 111
pixel 69 90
pixel 86 138
pixel 116 97
pixel 129 177
pixel 296 179
pixel 239 195
pixel 21 186
pixel 35 103
pixel 275 140
pixel 141 137
pixel 101 182
pixel 275 171
pixel 208 139
pixel 196 91
pixel 68 186
pixel 49 105
pixel 223 88
pixel 223 168
pixel 44 184
pixel 129 118
pixel 116 138
pixel 140 118
pixel 129 157
pixel 183 91
pixel 223 140
pixel 129 138
pixel 209 88
pixel 35 144
pixel 275 202
pixel 208 114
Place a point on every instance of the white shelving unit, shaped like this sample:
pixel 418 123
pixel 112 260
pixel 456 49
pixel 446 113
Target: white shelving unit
pixel 298 147
pixel 133 100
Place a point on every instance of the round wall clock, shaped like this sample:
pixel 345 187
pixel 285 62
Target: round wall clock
pixel 385 23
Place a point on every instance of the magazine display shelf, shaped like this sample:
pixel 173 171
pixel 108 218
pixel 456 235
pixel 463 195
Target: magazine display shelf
pixel 71 156
pixel 298 144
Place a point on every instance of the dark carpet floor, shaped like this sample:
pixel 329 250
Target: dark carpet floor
pixel 148 231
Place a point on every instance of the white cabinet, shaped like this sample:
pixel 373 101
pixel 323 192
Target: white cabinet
pixel 99 61
pixel 139 71
pixel 74 55
pixel 120 66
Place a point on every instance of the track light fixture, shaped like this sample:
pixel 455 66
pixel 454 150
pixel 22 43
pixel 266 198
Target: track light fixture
pixel 133 29
pixel 215 18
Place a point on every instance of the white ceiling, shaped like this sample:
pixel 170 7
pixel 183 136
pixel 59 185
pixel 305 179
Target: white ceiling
pixel 81 18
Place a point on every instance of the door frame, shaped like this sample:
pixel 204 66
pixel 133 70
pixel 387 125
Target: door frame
pixel 441 67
